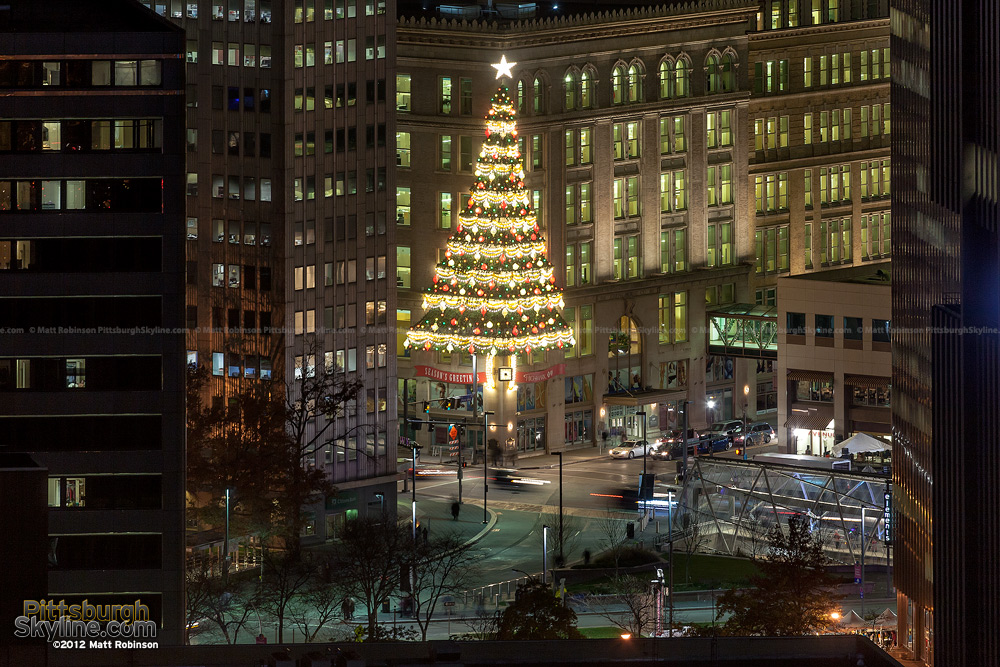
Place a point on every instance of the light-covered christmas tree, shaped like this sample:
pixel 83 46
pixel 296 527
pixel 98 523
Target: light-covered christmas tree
pixel 495 292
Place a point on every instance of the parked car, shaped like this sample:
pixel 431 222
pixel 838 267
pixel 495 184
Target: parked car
pixel 670 447
pixel 760 433
pixel 730 428
pixel 718 442
pixel 630 449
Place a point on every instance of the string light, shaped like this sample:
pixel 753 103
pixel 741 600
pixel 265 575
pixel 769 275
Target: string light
pixel 495 291
pixel 512 386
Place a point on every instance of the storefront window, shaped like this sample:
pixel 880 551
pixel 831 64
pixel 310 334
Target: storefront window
pixel 579 426
pixel 807 390
pixel 530 434
pixel 878 397
pixel 719 404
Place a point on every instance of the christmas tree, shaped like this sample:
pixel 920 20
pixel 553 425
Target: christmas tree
pixel 495 292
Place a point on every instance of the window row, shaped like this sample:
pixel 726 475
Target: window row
pixel 233 188
pixel 231 230
pixel 93 373
pixel 780 14
pixel 139 195
pixel 80 73
pixel 228 53
pixel 228 320
pixel 304 55
pixel 82 433
pixel 74 136
pixel 81 255
pixel 338 96
pixel 853 327
pixel 81 311
pixel 106 492
pixel 236 276
pixel 240 365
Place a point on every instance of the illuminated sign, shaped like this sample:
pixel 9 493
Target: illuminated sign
pixel 887 516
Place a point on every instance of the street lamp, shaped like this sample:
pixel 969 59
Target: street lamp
pixel 863 508
pixel 225 564
pixel 562 557
pixel 645 446
pixel 545 554
pixel 486 470
pixel 746 397
pixel 711 446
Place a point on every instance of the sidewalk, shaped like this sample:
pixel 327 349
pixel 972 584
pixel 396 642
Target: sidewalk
pixel 435 515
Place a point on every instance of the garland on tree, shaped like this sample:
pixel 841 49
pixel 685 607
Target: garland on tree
pixel 495 291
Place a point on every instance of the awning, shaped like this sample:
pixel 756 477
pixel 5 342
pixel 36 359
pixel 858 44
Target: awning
pixel 867 381
pixel 813 421
pixel 811 376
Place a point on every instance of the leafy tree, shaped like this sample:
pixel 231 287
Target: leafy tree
pixel 791 594
pixel 257 445
pixel 443 566
pixel 537 614
pixel 369 559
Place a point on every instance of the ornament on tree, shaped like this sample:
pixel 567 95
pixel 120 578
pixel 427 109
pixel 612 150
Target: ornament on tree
pixel 503 227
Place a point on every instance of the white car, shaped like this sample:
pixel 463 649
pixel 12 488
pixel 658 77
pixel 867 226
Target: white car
pixel 630 449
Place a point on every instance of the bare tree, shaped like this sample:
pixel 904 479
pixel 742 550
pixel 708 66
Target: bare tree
pixel 443 566
pixel 286 577
pixel 572 531
pixel 228 608
pixel 484 624
pixel 692 540
pixel 614 532
pixel 316 607
pixel 368 560
pixel 629 606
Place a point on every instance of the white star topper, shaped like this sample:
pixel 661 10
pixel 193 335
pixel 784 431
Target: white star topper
pixel 503 67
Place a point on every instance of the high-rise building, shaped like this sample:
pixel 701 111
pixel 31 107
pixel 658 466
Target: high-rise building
pixel 289 239
pixel 819 183
pixel 631 126
pixel 946 315
pixel 92 294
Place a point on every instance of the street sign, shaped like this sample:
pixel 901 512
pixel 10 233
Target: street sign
pixel 449 603
pixel 857 573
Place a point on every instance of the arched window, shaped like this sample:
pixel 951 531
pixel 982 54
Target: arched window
pixel 618 85
pixel 520 96
pixel 635 83
pixel 539 96
pixel 727 73
pixel 713 84
pixel 569 85
pixel 666 77
pixel 586 90
pixel 681 78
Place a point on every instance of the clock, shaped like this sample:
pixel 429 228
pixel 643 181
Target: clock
pixel 505 374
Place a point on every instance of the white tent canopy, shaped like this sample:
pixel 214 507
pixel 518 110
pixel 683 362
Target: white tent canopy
pixel 860 442
pixel 887 619
pixel 851 621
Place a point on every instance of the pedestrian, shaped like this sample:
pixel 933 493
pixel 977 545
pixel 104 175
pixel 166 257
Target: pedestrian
pixel 261 639
pixel 425 534
pixel 455 509
pixel 586 556
pixel 347 608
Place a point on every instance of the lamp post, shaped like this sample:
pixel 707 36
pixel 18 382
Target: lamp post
pixel 225 546
pixel 486 469
pixel 746 397
pixel 670 556
pixel 863 508
pixel 562 558
pixel 645 446
pixel 545 554
pixel 711 447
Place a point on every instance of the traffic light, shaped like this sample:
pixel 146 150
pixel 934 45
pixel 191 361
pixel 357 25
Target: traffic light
pixel 427 406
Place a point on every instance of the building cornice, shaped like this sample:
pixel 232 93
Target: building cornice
pixel 810 32
pixel 618 24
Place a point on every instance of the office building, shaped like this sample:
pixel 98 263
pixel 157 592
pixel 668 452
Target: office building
pixel 631 127
pixel 946 314
pixel 92 294
pixel 289 241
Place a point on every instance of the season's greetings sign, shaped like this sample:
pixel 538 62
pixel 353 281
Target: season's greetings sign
pixel 451 377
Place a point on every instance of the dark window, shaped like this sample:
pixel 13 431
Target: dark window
pixel 265 278
pixel 218 142
pixel 249 277
pixel 192 317
pixel 796 324
pixel 265 144
pixel 249 144
pixel 233 319
pixel 852 328
pixel 234 98
pixel 824 326
pixel 880 331
pixel 265 322
pixel 105 552
pixel 192 272
pixel 249 320
pixel 88 311
pixel 97 433
pixel 265 100
pixel 248 99
pixel 217 98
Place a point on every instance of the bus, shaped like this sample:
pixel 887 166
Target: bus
pixel 804 461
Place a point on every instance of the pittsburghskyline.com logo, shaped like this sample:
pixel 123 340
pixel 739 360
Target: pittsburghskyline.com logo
pixel 86 625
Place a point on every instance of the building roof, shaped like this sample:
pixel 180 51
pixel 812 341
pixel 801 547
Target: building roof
pixel 54 16
pixel 501 12
pixel 866 274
